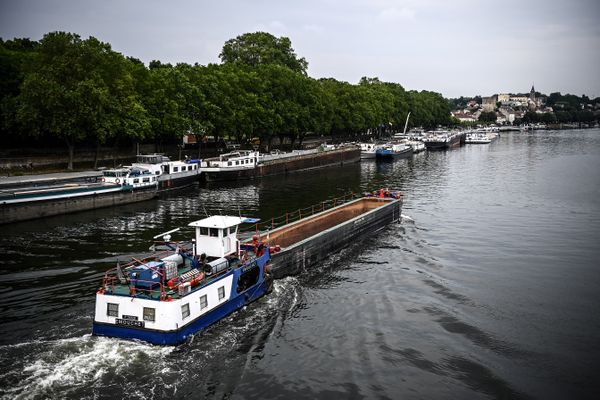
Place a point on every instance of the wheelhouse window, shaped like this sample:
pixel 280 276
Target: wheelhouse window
pixel 185 311
pixel 203 302
pixel 112 310
pixel 221 292
pixel 214 232
pixel 204 231
pixel 149 314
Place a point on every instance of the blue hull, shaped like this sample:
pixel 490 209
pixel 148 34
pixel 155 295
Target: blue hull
pixel 179 336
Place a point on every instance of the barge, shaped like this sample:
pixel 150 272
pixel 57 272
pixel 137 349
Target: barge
pixel 250 164
pixel 118 187
pixel 309 240
pixel 186 286
pixel 442 140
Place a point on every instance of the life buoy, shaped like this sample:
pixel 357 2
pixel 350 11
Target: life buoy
pixel 117 180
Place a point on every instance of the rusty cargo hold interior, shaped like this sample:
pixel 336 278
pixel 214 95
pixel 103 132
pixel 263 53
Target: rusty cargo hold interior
pixel 310 226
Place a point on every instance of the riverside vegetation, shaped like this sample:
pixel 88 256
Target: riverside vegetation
pixel 64 89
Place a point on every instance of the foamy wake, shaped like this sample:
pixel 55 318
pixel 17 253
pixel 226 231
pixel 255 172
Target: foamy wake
pixel 64 364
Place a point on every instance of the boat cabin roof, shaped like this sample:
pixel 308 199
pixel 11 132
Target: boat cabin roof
pixel 152 158
pixel 221 221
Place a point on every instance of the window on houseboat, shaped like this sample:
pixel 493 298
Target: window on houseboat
pixel 203 302
pixel 214 232
pixel 204 231
pixel 136 180
pixel 149 314
pixel 221 292
pixel 185 311
pixel 112 309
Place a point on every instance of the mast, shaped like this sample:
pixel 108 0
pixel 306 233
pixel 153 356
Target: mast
pixel 406 124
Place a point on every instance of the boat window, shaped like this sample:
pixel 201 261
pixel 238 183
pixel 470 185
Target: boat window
pixel 146 180
pixel 149 314
pixel 204 231
pixel 185 311
pixel 203 302
pixel 112 309
pixel 214 232
pixel 175 169
pixel 221 292
pixel 237 163
pixel 248 278
pixel 136 180
pixel 228 162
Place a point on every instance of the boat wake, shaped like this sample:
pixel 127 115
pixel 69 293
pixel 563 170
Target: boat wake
pixel 406 219
pixel 88 366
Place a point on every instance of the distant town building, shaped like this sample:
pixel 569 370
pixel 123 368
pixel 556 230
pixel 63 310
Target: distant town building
pixel 489 103
pixel 504 98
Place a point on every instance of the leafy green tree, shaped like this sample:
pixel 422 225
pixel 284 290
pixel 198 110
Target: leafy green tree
pixel 77 89
pixel 488 117
pixel 260 48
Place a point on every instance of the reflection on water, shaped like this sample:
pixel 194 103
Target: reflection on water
pixel 487 289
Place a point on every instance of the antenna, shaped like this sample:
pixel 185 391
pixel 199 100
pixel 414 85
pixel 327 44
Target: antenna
pixel 205 213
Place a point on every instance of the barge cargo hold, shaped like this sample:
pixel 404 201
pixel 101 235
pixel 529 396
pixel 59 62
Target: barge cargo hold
pixel 215 170
pixel 309 240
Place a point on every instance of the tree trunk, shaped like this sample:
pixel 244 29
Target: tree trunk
pixel 71 147
pixel 97 155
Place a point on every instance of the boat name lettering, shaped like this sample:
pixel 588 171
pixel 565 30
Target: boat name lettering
pixel 129 322
pixel 131 317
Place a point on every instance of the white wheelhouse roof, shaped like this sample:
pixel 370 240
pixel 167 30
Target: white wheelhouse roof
pixel 221 221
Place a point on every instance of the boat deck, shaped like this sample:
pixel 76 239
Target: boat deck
pixel 124 289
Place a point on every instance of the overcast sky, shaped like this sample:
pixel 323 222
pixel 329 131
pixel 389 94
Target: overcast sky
pixel 455 47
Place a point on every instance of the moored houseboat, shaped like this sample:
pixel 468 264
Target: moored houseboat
pixel 171 174
pixel 20 204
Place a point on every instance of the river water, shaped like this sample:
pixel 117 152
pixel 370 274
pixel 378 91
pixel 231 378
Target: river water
pixel 489 288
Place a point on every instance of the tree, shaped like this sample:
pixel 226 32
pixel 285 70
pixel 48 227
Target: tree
pixel 487 116
pixel 260 48
pixel 78 89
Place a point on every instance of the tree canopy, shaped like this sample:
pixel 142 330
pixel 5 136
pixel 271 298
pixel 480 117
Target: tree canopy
pixel 259 48
pixel 81 92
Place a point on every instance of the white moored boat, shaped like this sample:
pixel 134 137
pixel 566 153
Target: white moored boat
pixel 237 164
pixel 171 174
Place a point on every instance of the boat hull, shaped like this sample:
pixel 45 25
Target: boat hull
pixel 10 213
pixel 286 165
pixel 174 337
pixel 170 182
pixel 301 255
